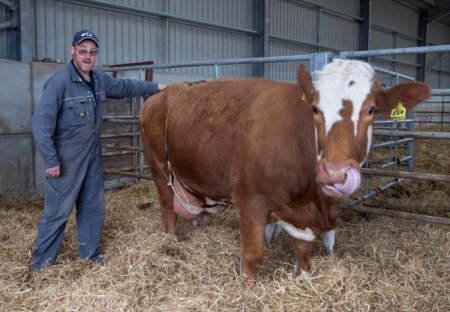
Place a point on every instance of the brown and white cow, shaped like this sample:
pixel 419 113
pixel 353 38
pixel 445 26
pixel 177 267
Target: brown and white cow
pixel 282 153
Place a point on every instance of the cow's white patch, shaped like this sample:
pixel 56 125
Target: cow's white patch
pixel 303 274
pixel 343 80
pixel 318 153
pixel 369 143
pixel 306 234
pixel 328 241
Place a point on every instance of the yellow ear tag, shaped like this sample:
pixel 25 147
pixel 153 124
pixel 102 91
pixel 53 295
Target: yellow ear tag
pixel 399 112
pixel 303 97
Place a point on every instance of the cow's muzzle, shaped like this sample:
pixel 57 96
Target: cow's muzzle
pixel 339 179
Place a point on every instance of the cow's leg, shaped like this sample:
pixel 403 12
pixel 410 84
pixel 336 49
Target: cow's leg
pixel 167 212
pixel 165 198
pixel 302 250
pixel 328 241
pixel 328 207
pixel 252 223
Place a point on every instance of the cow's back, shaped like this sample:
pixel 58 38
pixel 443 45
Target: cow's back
pixel 216 133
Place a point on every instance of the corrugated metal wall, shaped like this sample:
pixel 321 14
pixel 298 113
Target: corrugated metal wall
pixel 438 64
pixel 137 34
pixel 301 27
pixel 394 26
pixel 174 31
pixel 3 34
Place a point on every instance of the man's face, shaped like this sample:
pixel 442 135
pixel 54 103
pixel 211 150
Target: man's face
pixel 84 55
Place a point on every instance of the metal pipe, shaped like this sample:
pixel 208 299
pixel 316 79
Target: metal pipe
pixel 440 91
pixel 398 214
pixel 8 4
pixel 416 134
pixel 385 71
pixel 122 147
pixel 407 175
pixel 389 143
pixel 398 51
pixel 396 162
pixel 109 154
pixel 118 135
pixel 122 121
pixel 6 24
pixel 391 121
pixel 105 118
pixel 248 60
pixel 374 192
pixel 127 174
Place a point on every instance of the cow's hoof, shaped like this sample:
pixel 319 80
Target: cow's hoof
pixel 304 275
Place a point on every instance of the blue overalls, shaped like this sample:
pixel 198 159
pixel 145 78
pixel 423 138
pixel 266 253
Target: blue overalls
pixel 66 128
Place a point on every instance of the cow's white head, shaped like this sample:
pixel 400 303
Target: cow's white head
pixel 347 97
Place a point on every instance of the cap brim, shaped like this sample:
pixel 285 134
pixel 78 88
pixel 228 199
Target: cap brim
pixel 83 39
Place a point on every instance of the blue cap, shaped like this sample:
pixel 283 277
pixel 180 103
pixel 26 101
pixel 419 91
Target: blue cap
pixel 84 35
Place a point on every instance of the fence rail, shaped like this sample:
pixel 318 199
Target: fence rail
pixel 397 135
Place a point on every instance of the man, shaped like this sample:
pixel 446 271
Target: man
pixel 66 128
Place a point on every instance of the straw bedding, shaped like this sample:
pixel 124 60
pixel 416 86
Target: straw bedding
pixel 381 264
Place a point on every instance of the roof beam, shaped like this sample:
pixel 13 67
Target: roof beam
pixel 439 12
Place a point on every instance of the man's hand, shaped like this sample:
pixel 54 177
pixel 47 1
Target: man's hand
pixel 54 172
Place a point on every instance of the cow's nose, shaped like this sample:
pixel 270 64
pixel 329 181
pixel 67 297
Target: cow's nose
pixel 332 171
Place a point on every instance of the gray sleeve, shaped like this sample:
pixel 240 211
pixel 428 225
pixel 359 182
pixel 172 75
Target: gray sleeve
pixel 123 88
pixel 44 122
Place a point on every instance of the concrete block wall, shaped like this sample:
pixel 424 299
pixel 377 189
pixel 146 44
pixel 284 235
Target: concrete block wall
pixel 21 169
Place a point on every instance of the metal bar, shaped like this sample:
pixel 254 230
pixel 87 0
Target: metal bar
pixel 122 147
pixel 396 162
pixel 385 71
pixel 109 154
pixel 440 91
pixel 118 135
pixel 389 143
pixel 122 121
pixel 127 174
pixel 374 192
pixel 249 60
pixel 106 118
pixel 392 121
pixel 416 134
pixel 127 169
pixel 398 214
pixel 432 113
pixel 8 4
pixel 407 175
pixel 6 24
pixel 302 43
pixel 398 51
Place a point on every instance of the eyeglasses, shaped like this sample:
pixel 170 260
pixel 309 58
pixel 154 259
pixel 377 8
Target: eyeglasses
pixel 84 52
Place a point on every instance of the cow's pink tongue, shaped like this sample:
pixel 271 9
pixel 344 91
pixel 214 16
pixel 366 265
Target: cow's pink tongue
pixel 351 184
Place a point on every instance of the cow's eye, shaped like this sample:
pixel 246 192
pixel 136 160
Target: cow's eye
pixel 315 110
pixel 371 110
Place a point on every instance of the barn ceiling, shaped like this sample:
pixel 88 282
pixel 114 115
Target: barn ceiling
pixel 436 9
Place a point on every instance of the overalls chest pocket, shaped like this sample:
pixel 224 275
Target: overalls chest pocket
pixel 77 112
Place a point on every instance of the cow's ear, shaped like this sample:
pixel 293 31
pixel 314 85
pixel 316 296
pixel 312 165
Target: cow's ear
pixel 305 81
pixel 409 94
